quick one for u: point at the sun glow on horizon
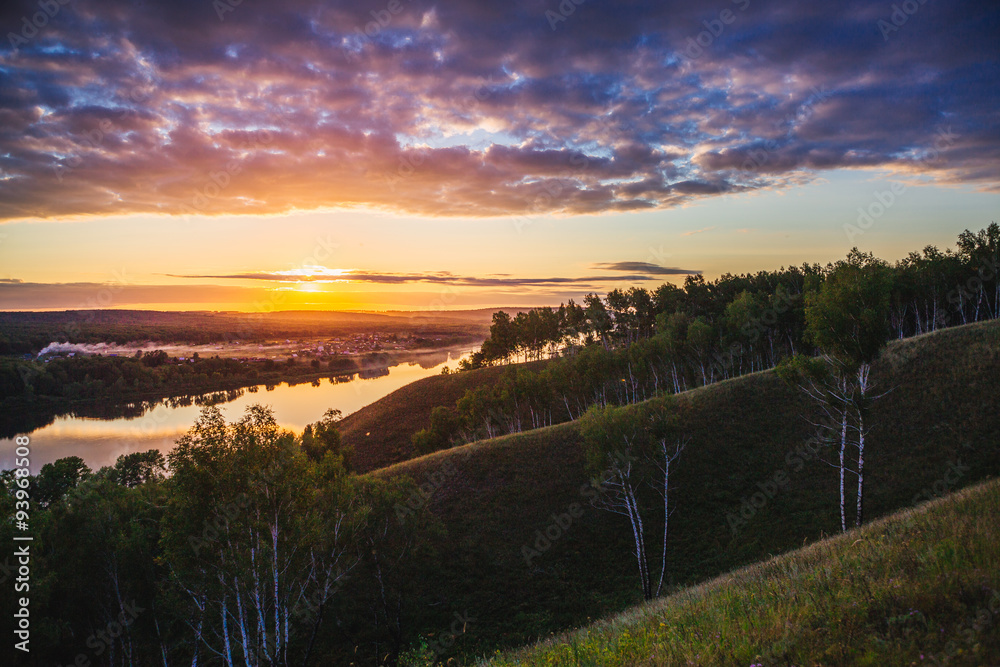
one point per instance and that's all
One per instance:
(313, 271)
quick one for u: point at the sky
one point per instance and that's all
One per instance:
(429, 154)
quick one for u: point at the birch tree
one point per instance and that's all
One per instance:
(633, 450)
(256, 538)
(831, 394)
(848, 318)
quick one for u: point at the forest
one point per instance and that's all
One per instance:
(635, 344)
(154, 373)
(256, 541)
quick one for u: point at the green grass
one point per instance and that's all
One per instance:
(497, 493)
(919, 587)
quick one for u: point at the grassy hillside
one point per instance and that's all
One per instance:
(919, 587)
(381, 433)
(492, 496)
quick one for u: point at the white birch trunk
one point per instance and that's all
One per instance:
(843, 448)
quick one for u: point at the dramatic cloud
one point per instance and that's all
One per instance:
(453, 107)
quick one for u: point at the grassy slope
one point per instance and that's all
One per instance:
(497, 493)
(920, 587)
(381, 433)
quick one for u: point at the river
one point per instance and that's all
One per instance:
(99, 442)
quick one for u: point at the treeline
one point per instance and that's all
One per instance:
(259, 548)
(27, 333)
(118, 379)
(30, 332)
(635, 343)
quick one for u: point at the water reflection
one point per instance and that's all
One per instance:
(101, 433)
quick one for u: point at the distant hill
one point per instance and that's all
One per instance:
(475, 314)
(23, 332)
(493, 496)
(921, 586)
(107, 316)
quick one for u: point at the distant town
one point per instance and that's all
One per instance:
(322, 349)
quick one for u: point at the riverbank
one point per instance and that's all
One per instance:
(33, 410)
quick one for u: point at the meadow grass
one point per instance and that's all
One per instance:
(919, 587)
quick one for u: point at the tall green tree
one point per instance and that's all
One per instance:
(254, 531)
(56, 479)
(848, 318)
(324, 436)
(849, 315)
(137, 468)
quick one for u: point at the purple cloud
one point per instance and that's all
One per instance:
(478, 109)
